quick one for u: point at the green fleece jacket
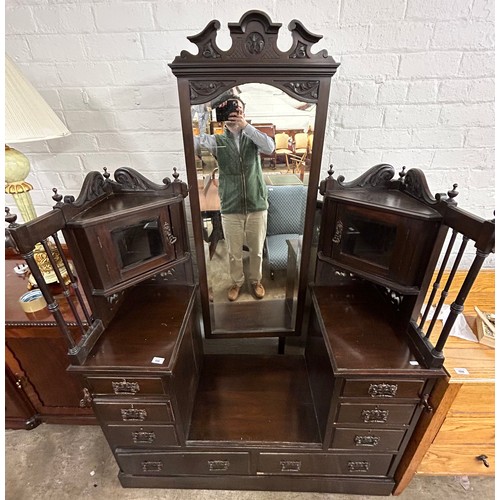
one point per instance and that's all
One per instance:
(241, 186)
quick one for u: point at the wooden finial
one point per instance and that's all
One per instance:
(106, 174)
(10, 218)
(453, 192)
(330, 171)
(175, 175)
(56, 196)
(402, 174)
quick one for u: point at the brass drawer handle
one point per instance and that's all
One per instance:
(358, 466)
(152, 466)
(133, 414)
(383, 390)
(366, 440)
(125, 387)
(290, 465)
(140, 437)
(218, 465)
(376, 415)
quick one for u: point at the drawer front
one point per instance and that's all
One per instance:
(458, 460)
(376, 440)
(136, 436)
(467, 430)
(134, 386)
(474, 398)
(122, 411)
(324, 464)
(361, 413)
(178, 464)
(382, 389)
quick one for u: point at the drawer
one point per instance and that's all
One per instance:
(457, 460)
(324, 464)
(123, 411)
(474, 398)
(134, 386)
(467, 430)
(383, 389)
(178, 464)
(377, 440)
(363, 413)
(136, 436)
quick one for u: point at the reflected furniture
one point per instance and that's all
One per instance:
(283, 147)
(285, 221)
(270, 130)
(339, 413)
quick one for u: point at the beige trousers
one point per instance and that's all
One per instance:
(249, 230)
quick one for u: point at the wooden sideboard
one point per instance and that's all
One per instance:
(462, 427)
(38, 387)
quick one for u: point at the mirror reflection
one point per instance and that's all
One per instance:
(253, 155)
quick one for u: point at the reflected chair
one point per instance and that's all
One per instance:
(270, 130)
(283, 147)
(285, 221)
(303, 148)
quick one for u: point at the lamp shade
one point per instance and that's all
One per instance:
(28, 117)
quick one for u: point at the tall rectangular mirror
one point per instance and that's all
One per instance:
(284, 97)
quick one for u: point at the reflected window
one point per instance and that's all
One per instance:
(138, 242)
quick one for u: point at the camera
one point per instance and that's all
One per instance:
(223, 111)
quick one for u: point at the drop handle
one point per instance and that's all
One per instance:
(424, 403)
(484, 459)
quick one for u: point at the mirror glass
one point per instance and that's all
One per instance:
(139, 242)
(290, 124)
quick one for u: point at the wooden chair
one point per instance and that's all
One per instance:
(283, 147)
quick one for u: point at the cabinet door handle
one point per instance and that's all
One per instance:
(484, 459)
(424, 403)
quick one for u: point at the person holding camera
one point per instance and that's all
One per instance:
(242, 192)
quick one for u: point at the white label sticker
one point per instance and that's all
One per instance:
(157, 361)
(414, 363)
(462, 371)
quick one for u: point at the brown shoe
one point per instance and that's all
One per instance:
(258, 290)
(233, 293)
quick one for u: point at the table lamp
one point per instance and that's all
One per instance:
(28, 118)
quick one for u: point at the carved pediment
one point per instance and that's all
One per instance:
(254, 45)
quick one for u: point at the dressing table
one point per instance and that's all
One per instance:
(335, 414)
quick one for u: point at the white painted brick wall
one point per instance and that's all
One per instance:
(415, 86)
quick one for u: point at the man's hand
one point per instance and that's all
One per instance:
(236, 122)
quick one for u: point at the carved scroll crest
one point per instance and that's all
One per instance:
(416, 185)
(254, 39)
(378, 176)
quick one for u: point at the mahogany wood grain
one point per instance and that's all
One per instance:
(254, 398)
(148, 326)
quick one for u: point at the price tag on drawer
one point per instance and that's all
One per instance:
(462, 371)
(158, 361)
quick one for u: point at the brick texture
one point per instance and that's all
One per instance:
(415, 86)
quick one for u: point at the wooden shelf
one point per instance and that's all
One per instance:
(254, 399)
